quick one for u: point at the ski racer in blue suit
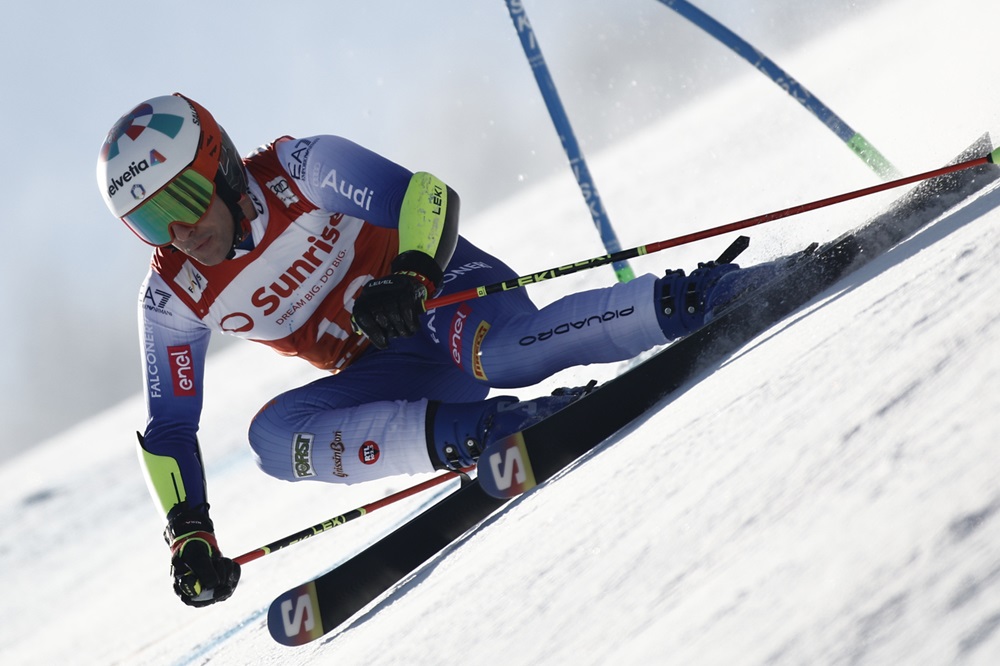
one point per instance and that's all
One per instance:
(322, 249)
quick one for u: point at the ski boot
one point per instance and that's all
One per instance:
(457, 433)
(688, 302)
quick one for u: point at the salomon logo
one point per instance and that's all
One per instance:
(298, 618)
(513, 468)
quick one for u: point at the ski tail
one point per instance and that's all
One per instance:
(294, 618)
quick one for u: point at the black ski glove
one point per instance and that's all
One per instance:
(201, 574)
(390, 307)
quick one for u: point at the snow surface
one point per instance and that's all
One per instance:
(830, 495)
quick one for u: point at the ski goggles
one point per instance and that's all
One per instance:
(185, 199)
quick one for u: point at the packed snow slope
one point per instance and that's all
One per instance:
(830, 495)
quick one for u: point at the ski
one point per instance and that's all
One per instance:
(309, 611)
(517, 463)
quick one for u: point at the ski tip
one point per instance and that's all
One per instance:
(505, 469)
(293, 618)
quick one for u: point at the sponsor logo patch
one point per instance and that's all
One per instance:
(455, 332)
(297, 167)
(269, 298)
(369, 453)
(459, 271)
(302, 465)
(281, 189)
(577, 324)
(236, 322)
(477, 343)
(191, 280)
(157, 300)
(152, 369)
(337, 446)
(182, 370)
(360, 196)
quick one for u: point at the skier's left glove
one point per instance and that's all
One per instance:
(390, 307)
(202, 576)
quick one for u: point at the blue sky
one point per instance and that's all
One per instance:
(440, 86)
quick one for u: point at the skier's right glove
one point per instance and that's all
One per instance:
(201, 574)
(390, 307)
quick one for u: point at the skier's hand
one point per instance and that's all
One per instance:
(390, 307)
(202, 576)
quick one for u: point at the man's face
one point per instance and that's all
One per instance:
(209, 241)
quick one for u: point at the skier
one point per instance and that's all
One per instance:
(322, 249)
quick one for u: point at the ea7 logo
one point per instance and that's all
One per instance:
(298, 617)
(513, 468)
(159, 301)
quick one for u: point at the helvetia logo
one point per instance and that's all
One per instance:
(134, 169)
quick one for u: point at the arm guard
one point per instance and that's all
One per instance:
(164, 479)
(428, 219)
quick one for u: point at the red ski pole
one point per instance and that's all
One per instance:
(638, 251)
(329, 524)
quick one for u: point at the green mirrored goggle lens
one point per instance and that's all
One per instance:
(185, 199)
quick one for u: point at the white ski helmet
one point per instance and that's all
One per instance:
(162, 162)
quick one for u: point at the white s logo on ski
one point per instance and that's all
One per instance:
(294, 618)
(508, 469)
